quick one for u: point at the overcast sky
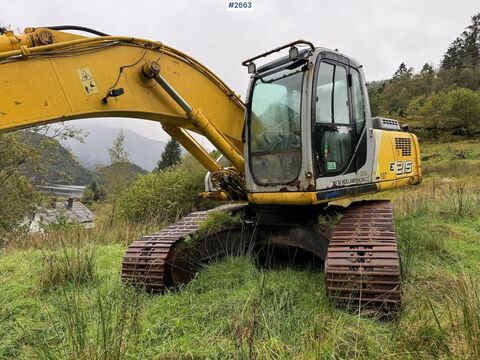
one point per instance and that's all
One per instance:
(380, 34)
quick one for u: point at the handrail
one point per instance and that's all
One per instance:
(293, 43)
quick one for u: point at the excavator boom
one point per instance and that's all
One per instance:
(71, 77)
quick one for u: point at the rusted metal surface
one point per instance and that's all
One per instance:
(362, 268)
(148, 262)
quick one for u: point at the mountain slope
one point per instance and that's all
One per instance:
(56, 164)
(94, 151)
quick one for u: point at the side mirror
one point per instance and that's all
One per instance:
(251, 68)
(293, 53)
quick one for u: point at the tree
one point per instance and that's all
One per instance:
(471, 45)
(463, 108)
(172, 155)
(94, 192)
(18, 157)
(453, 56)
(457, 110)
(402, 72)
(117, 152)
(465, 50)
(427, 70)
(116, 179)
(19, 197)
(434, 109)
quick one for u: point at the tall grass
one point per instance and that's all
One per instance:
(464, 201)
(453, 169)
(407, 240)
(234, 309)
(67, 261)
(104, 232)
(438, 197)
(464, 312)
(100, 325)
(441, 318)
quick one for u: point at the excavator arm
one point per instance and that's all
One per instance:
(49, 76)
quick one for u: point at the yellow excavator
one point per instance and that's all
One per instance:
(304, 138)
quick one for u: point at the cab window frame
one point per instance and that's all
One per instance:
(249, 104)
(358, 131)
(332, 125)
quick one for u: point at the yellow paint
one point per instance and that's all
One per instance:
(215, 195)
(208, 128)
(387, 178)
(418, 160)
(292, 198)
(193, 147)
(389, 185)
(52, 91)
(33, 37)
(283, 198)
(385, 155)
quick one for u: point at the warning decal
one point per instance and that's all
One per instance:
(88, 83)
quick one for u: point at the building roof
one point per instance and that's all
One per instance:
(72, 209)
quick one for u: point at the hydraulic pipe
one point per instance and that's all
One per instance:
(199, 120)
(173, 93)
(207, 128)
(10, 41)
(193, 147)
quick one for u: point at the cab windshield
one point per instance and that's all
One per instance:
(275, 142)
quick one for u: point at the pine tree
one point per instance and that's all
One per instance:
(172, 155)
(427, 69)
(452, 59)
(402, 71)
(471, 49)
(117, 152)
(465, 50)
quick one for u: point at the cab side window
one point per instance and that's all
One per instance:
(324, 111)
(358, 108)
(333, 131)
(332, 95)
(341, 113)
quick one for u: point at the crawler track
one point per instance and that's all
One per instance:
(151, 262)
(362, 267)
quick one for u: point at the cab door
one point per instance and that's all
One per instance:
(338, 125)
(358, 112)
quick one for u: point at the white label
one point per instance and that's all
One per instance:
(331, 165)
(88, 83)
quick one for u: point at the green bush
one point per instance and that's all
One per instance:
(165, 195)
(19, 200)
(216, 221)
(18, 196)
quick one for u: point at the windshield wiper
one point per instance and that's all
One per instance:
(279, 78)
(290, 66)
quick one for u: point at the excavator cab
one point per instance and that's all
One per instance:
(310, 136)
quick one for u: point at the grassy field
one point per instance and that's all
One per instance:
(61, 298)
